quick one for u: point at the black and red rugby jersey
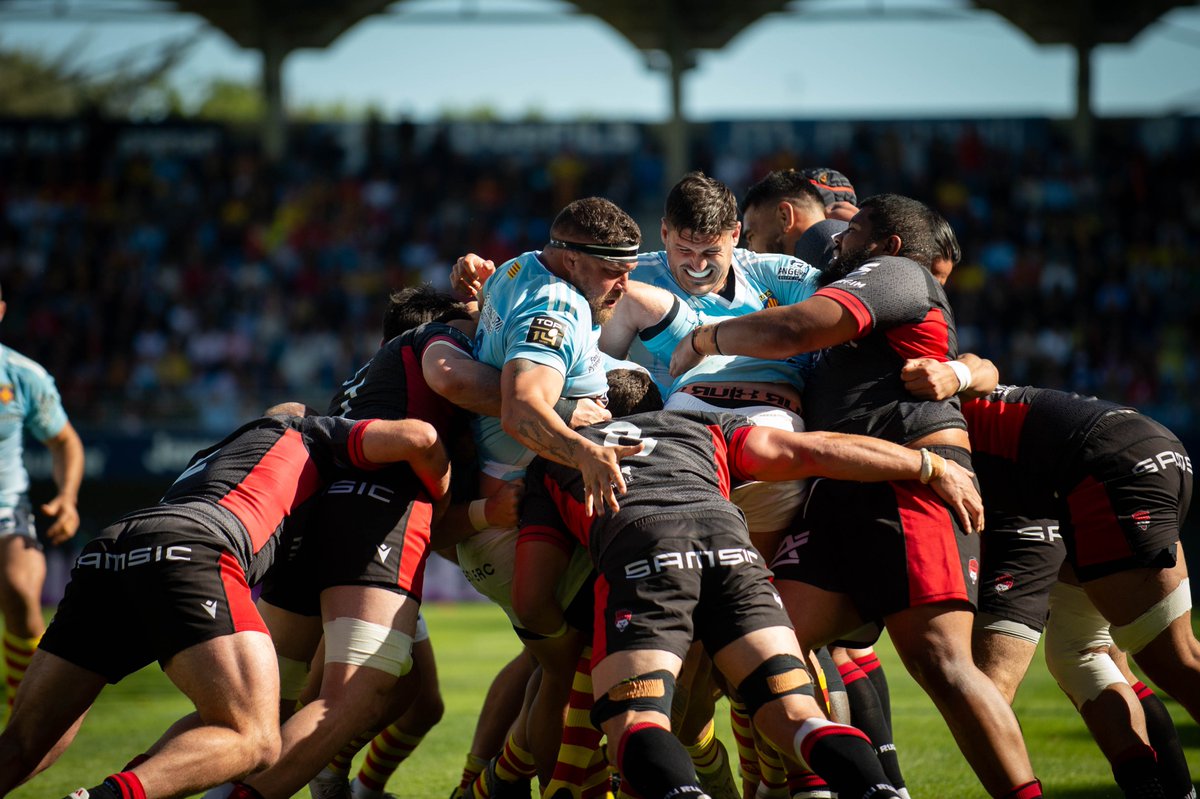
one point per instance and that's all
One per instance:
(855, 387)
(687, 466)
(239, 492)
(1023, 442)
(392, 386)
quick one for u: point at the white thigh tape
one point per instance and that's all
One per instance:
(1135, 636)
(362, 643)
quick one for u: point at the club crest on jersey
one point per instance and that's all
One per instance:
(6, 393)
(973, 570)
(621, 620)
(512, 270)
(1142, 519)
(1003, 583)
(548, 332)
(767, 298)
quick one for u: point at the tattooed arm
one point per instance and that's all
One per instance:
(528, 393)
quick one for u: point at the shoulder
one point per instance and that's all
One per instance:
(19, 365)
(773, 265)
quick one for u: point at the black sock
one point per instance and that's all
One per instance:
(1136, 773)
(874, 670)
(654, 763)
(105, 790)
(1172, 766)
(844, 757)
(867, 714)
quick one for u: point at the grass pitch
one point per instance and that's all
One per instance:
(472, 642)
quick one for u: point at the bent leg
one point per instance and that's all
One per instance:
(234, 684)
(934, 642)
(49, 708)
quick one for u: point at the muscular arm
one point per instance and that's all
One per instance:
(814, 324)
(414, 441)
(66, 456)
(929, 379)
(642, 307)
(769, 454)
(461, 379)
(529, 391)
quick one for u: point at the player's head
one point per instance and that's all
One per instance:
(886, 224)
(700, 228)
(778, 209)
(948, 253)
(832, 185)
(413, 307)
(632, 391)
(598, 243)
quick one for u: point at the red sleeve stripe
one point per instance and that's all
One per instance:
(737, 458)
(284, 477)
(929, 338)
(358, 457)
(856, 307)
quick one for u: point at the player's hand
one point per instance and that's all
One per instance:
(841, 210)
(503, 507)
(684, 357)
(602, 478)
(957, 487)
(588, 411)
(929, 379)
(66, 520)
(468, 273)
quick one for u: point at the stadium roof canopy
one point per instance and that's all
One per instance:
(668, 31)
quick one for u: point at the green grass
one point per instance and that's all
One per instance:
(472, 642)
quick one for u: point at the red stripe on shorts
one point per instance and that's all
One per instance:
(242, 611)
(411, 576)
(934, 567)
(600, 623)
(1098, 534)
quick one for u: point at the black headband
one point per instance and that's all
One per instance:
(623, 253)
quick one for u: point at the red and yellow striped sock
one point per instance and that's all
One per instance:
(743, 736)
(342, 761)
(513, 764)
(471, 769)
(706, 755)
(17, 653)
(577, 766)
(774, 774)
(388, 750)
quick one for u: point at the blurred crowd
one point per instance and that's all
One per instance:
(192, 290)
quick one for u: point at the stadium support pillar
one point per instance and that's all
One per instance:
(679, 61)
(1083, 126)
(274, 134)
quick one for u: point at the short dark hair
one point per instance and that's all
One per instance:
(783, 184)
(595, 220)
(897, 215)
(700, 204)
(412, 307)
(944, 240)
(632, 391)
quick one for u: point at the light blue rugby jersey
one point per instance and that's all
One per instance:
(762, 280)
(527, 312)
(28, 401)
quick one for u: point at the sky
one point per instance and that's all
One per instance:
(824, 58)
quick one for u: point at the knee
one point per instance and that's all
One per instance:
(430, 708)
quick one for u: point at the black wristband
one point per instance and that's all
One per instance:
(565, 408)
(716, 346)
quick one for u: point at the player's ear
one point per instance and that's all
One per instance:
(892, 244)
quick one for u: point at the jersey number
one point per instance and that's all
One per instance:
(613, 433)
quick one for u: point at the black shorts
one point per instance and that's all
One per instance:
(668, 579)
(1021, 559)
(147, 596)
(888, 546)
(363, 530)
(1130, 497)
